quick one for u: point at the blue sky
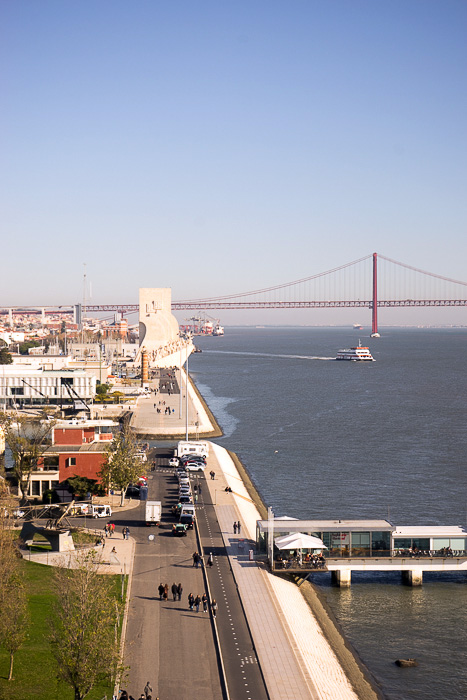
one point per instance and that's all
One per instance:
(219, 147)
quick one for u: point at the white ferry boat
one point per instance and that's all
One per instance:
(355, 354)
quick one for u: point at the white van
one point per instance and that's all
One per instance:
(188, 509)
(101, 511)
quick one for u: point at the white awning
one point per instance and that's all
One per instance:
(299, 541)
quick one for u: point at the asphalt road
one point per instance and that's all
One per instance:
(166, 643)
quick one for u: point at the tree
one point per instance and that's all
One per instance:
(122, 465)
(83, 630)
(5, 357)
(27, 441)
(81, 486)
(13, 602)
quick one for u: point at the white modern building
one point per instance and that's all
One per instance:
(28, 386)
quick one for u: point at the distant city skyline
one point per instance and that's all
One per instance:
(217, 149)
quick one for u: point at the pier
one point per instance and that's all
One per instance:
(344, 546)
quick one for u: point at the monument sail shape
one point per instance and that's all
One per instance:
(159, 333)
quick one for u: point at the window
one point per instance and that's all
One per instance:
(360, 544)
(66, 380)
(71, 462)
(17, 390)
(380, 543)
(51, 463)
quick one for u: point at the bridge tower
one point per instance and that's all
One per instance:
(374, 307)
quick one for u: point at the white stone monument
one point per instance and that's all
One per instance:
(158, 329)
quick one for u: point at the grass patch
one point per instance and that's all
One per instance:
(35, 669)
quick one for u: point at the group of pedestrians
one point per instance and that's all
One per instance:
(237, 528)
(146, 695)
(126, 532)
(176, 589)
(194, 602)
(109, 529)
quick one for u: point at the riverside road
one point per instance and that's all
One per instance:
(173, 648)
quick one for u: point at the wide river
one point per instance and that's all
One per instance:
(386, 439)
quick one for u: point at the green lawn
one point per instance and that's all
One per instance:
(34, 667)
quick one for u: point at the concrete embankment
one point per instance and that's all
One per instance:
(318, 639)
(327, 658)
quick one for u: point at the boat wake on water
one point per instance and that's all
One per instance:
(267, 354)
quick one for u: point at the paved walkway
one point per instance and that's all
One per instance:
(147, 421)
(295, 657)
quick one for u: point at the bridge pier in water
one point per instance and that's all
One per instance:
(342, 578)
(412, 577)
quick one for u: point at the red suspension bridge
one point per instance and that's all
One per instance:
(372, 282)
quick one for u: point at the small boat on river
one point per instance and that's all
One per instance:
(357, 354)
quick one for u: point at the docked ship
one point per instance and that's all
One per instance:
(360, 354)
(218, 330)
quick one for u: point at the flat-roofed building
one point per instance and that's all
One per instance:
(28, 386)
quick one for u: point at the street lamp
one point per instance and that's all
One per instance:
(186, 396)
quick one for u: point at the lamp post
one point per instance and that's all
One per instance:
(180, 387)
(186, 395)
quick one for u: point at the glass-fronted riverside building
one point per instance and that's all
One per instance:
(367, 538)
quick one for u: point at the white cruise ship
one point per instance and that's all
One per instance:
(355, 354)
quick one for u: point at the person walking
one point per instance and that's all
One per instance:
(179, 591)
(161, 590)
(127, 532)
(200, 489)
(239, 527)
(214, 607)
(204, 600)
(147, 690)
(197, 602)
(194, 556)
(235, 527)
(165, 594)
(210, 560)
(191, 600)
(174, 590)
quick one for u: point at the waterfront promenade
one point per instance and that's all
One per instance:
(295, 658)
(164, 415)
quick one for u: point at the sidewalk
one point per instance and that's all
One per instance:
(148, 422)
(295, 657)
(120, 562)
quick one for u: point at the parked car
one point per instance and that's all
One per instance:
(192, 458)
(195, 467)
(185, 499)
(179, 529)
(132, 491)
(188, 520)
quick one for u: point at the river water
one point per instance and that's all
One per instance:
(386, 439)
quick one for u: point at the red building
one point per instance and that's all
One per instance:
(79, 448)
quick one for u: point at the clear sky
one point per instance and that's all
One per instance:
(218, 147)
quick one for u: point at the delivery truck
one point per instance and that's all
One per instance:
(152, 512)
